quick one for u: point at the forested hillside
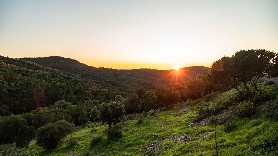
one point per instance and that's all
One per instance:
(123, 79)
(26, 86)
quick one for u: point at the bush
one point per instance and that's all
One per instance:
(96, 140)
(273, 111)
(114, 133)
(49, 135)
(245, 109)
(29, 117)
(72, 142)
(229, 125)
(12, 150)
(79, 115)
(38, 117)
(270, 145)
(25, 135)
(140, 119)
(4, 110)
(152, 112)
(93, 114)
(15, 129)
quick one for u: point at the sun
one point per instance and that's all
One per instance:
(176, 67)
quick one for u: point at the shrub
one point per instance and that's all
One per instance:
(4, 110)
(72, 142)
(229, 125)
(12, 150)
(273, 111)
(152, 112)
(245, 109)
(114, 133)
(79, 115)
(93, 114)
(270, 145)
(96, 140)
(39, 117)
(49, 135)
(29, 117)
(140, 120)
(144, 114)
(24, 136)
(15, 129)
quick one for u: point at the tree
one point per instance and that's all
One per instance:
(92, 109)
(167, 96)
(195, 88)
(249, 66)
(274, 69)
(112, 112)
(221, 74)
(79, 115)
(149, 101)
(244, 67)
(133, 104)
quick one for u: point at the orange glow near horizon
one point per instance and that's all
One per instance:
(176, 67)
(177, 74)
(139, 64)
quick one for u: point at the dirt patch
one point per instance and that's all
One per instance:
(183, 137)
(184, 110)
(153, 147)
(203, 122)
(204, 134)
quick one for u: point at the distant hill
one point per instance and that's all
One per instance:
(124, 79)
(193, 71)
(58, 62)
(25, 86)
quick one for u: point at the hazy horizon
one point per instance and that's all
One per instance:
(157, 34)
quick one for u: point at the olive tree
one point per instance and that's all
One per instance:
(244, 67)
(112, 112)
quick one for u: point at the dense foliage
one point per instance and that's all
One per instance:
(49, 135)
(15, 129)
(112, 112)
(244, 67)
(25, 86)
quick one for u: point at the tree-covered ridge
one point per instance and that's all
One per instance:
(61, 63)
(123, 79)
(25, 86)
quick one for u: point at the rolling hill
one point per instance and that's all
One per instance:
(124, 79)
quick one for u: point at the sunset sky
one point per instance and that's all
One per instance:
(128, 34)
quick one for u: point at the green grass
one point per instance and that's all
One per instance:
(162, 130)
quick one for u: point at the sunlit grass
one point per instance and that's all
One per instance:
(162, 129)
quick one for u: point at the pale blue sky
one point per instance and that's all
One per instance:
(137, 33)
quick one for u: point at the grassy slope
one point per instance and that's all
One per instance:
(157, 130)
